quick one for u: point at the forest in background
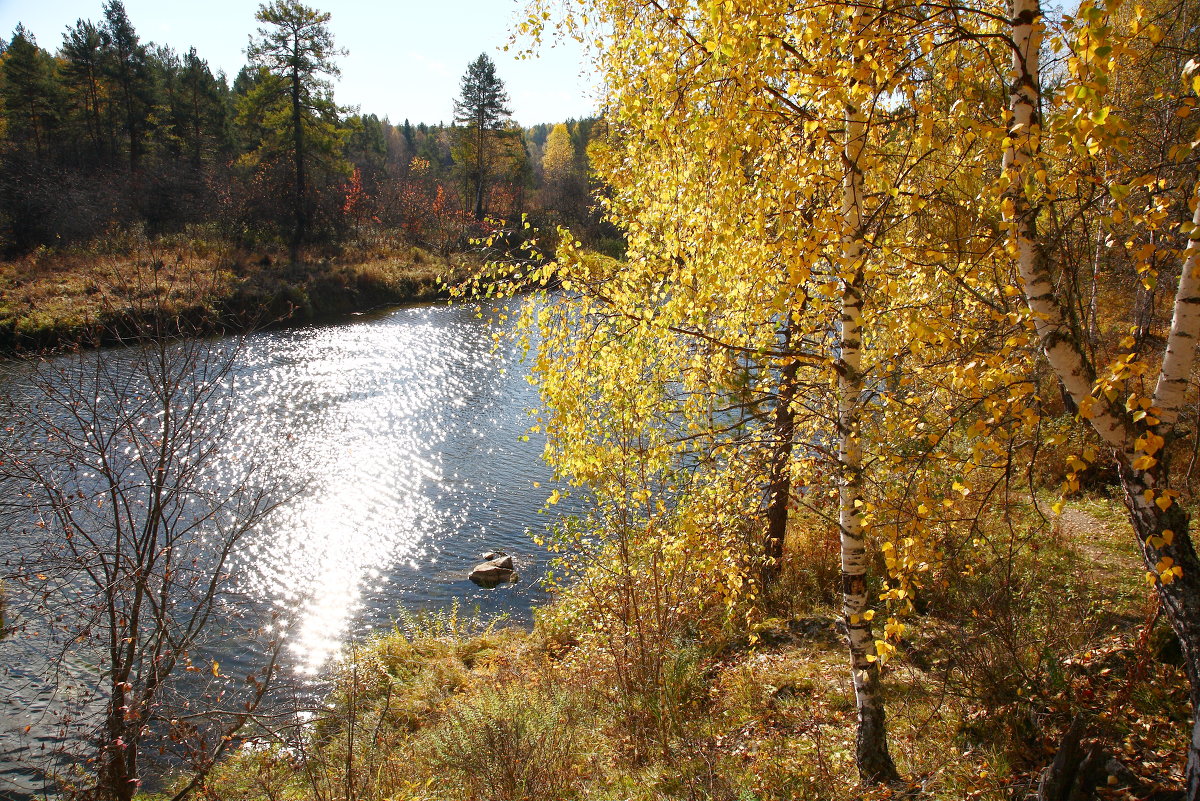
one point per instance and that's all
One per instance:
(103, 133)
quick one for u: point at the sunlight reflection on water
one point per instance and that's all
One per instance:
(400, 439)
(396, 444)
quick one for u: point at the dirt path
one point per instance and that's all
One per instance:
(1100, 535)
(1091, 536)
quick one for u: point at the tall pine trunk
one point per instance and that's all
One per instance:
(480, 165)
(301, 187)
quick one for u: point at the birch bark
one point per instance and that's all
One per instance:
(1063, 351)
(1161, 526)
(1180, 356)
(871, 749)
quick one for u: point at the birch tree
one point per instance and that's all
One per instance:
(756, 219)
(874, 762)
(1133, 404)
(737, 119)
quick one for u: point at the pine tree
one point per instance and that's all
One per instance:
(202, 110)
(481, 110)
(127, 66)
(294, 99)
(27, 91)
(82, 77)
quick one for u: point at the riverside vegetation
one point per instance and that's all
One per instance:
(908, 309)
(685, 701)
(104, 292)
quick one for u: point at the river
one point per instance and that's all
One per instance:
(401, 439)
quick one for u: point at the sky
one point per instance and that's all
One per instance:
(405, 60)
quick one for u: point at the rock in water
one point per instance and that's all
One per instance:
(503, 561)
(489, 574)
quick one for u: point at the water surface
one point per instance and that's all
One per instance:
(399, 441)
(405, 437)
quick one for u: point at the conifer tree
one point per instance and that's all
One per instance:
(201, 111)
(27, 92)
(81, 57)
(481, 110)
(293, 100)
(127, 66)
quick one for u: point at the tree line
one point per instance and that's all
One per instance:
(111, 132)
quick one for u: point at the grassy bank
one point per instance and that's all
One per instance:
(52, 300)
(593, 706)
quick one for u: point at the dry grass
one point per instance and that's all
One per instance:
(977, 700)
(50, 300)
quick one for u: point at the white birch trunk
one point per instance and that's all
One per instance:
(871, 751)
(1061, 348)
(1180, 594)
(1171, 388)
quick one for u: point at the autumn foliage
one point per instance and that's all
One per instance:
(880, 248)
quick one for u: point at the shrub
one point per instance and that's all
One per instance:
(811, 574)
(1008, 622)
(505, 745)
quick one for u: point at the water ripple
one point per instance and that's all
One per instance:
(400, 439)
(397, 445)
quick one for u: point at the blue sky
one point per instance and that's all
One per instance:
(406, 56)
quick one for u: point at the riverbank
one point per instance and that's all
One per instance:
(405, 430)
(591, 706)
(53, 301)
